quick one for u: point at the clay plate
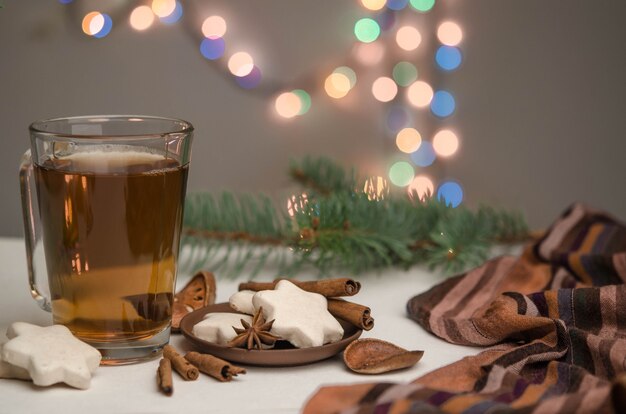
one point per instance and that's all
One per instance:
(284, 354)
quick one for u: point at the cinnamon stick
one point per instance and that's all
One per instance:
(357, 315)
(213, 366)
(180, 364)
(164, 377)
(329, 287)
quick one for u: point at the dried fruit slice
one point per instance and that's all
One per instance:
(375, 356)
(197, 293)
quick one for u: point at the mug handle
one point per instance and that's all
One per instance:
(31, 233)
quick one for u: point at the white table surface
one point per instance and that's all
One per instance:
(132, 388)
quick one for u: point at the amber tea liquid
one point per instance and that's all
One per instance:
(111, 238)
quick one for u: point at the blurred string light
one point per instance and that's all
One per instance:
(404, 73)
(240, 64)
(214, 27)
(442, 104)
(420, 94)
(376, 41)
(445, 143)
(373, 4)
(449, 33)
(97, 24)
(163, 8)
(422, 187)
(422, 5)
(401, 173)
(408, 38)
(366, 30)
(369, 53)
(448, 57)
(451, 193)
(425, 155)
(408, 140)
(141, 18)
(174, 16)
(397, 5)
(384, 89)
(291, 104)
(376, 188)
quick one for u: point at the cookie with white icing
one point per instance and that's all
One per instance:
(218, 327)
(11, 371)
(242, 301)
(300, 317)
(50, 354)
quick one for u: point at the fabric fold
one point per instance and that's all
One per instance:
(553, 319)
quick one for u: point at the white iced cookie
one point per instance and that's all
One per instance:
(50, 354)
(10, 371)
(218, 327)
(242, 301)
(300, 317)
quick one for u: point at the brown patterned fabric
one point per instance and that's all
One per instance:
(554, 320)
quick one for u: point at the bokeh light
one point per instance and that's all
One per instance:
(87, 22)
(174, 16)
(106, 27)
(305, 100)
(376, 188)
(213, 49)
(349, 73)
(408, 140)
(401, 173)
(369, 53)
(97, 24)
(448, 57)
(420, 94)
(337, 85)
(214, 26)
(373, 4)
(404, 73)
(384, 89)
(288, 104)
(421, 187)
(449, 33)
(445, 143)
(251, 80)
(425, 155)
(240, 64)
(450, 193)
(296, 204)
(422, 5)
(398, 117)
(163, 8)
(65, 1)
(408, 38)
(366, 30)
(141, 18)
(397, 4)
(442, 104)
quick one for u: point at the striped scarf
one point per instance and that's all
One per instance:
(554, 321)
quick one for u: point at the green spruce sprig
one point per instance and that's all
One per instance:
(337, 227)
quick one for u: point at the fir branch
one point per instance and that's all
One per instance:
(336, 227)
(320, 176)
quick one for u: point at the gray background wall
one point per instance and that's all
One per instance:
(541, 95)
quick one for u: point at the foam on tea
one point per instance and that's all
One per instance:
(110, 228)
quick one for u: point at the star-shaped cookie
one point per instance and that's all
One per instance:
(300, 317)
(10, 371)
(50, 354)
(218, 327)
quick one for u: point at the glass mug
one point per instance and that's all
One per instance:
(106, 207)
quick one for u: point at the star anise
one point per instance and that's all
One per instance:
(254, 335)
